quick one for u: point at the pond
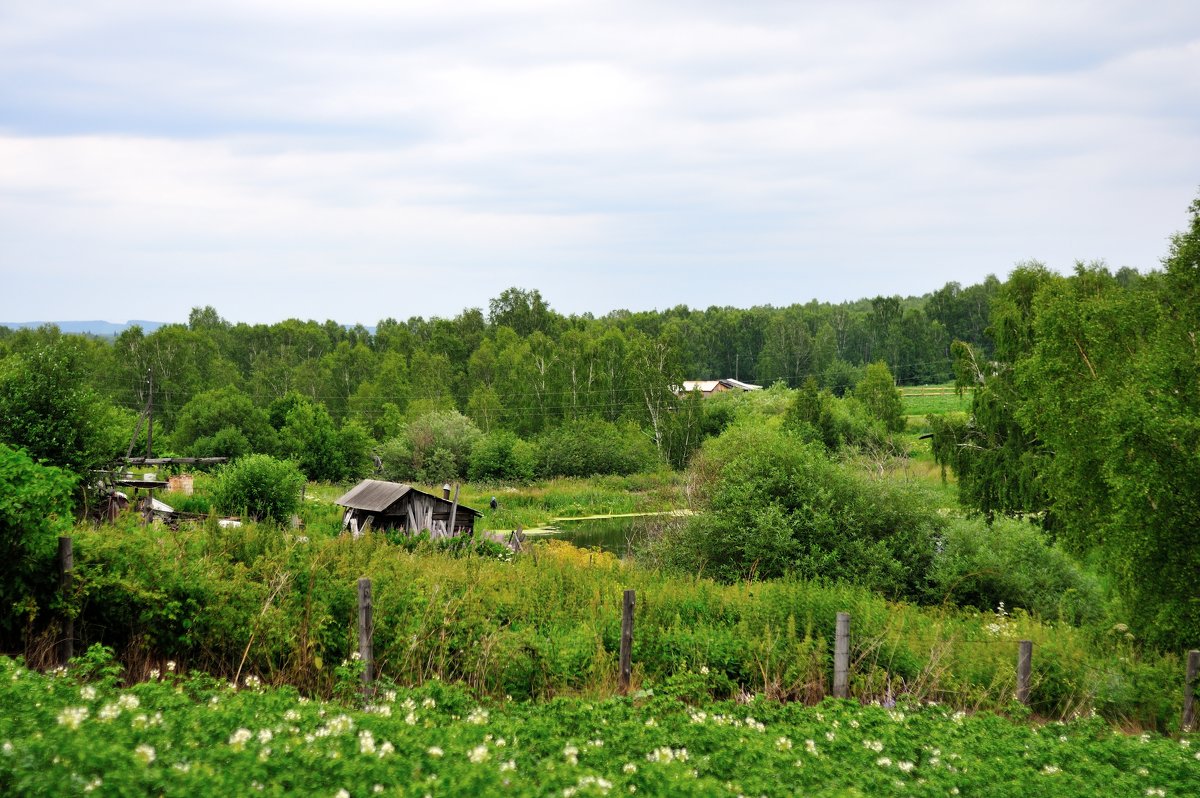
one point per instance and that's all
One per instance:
(616, 535)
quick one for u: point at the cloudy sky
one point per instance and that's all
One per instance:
(364, 159)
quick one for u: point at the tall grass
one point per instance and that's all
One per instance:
(268, 602)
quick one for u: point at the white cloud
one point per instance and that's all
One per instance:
(748, 153)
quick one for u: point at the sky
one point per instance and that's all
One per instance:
(367, 159)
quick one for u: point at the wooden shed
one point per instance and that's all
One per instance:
(393, 505)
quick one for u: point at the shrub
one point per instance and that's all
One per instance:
(260, 486)
(35, 508)
(501, 456)
(1010, 561)
(775, 504)
(592, 446)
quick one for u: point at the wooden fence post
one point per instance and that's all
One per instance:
(454, 514)
(627, 639)
(366, 627)
(66, 567)
(1024, 668)
(841, 657)
(1189, 690)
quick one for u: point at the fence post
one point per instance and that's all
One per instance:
(1024, 667)
(627, 639)
(66, 567)
(841, 657)
(1189, 690)
(366, 627)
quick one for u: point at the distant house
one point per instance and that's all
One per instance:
(392, 505)
(710, 387)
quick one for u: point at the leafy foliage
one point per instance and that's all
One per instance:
(776, 505)
(35, 508)
(1012, 563)
(47, 408)
(223, 422)
(260, 486)
(182, 736)
(877, 391)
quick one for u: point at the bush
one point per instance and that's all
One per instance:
(35, 508)
(501, 457)
(1012, 562)
(260, 486)
(591, 446)
(775, 504)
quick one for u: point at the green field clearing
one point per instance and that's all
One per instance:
(934, 400)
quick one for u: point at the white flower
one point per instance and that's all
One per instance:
(783, 744)
(240, 737)
(478, 716)
(571, 754)
(128, 701)
(87, 692)
(411, 719)
(1050, 770)
(1143, 772)
(829, 736)
(811, 747)
(874, 745)
(71, 717)
(906, 766)
(8, 747)
(108, 712)
(703, 670)
(342, 793)
(291, 716)
(389, 696)
(93, 784)
(629, 768)
(170, 666)
(154, 674)
(253, 682)
(478, 754)
(264, 736)
(1156, 791)
(378, 788)
(435, 751)
(507, 766)
(386, 749)
(428, 703)
(366, 742)
(883, 762)
(145, 753)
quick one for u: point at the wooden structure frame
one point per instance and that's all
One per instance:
(393, 505)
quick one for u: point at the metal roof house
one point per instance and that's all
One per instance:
(711, 387)
(392, 505)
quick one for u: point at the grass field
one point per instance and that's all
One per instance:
(923, 400)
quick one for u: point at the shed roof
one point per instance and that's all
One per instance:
(373, 494)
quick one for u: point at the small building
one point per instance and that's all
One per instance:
(393, 505)
(711, 387)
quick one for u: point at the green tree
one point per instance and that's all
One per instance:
(48, 409)
(309, 438)
(878, 393)
(223, 422)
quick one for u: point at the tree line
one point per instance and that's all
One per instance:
(330, 394)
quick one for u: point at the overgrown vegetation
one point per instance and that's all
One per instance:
(185, 735)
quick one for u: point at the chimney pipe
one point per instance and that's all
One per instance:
(446, 491)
